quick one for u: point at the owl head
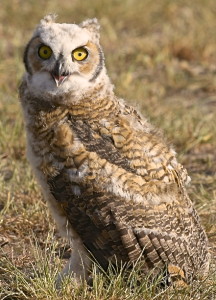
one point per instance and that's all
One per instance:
(63, 58)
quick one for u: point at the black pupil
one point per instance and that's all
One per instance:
(80, 54)
(45, 52)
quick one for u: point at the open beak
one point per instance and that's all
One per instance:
(58, 79)
(58, 74)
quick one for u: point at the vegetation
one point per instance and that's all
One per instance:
(161, 55)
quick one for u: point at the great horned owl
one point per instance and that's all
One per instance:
(112, 183)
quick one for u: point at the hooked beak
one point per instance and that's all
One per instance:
(58, 74)
(58, 79)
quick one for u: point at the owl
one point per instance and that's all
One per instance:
(112, 183)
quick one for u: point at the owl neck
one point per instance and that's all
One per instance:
(97, 102)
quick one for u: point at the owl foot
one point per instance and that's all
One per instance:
(77, 268)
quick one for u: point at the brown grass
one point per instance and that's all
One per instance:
(161, 55)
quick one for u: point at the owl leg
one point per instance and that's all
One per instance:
(78, 265)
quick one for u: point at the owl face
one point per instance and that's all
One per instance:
(63, 58)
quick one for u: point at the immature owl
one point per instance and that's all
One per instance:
(112, 183)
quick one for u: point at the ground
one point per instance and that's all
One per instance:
(161, 56)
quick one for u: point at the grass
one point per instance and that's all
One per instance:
(161, 57)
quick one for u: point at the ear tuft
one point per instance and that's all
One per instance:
(92, 25)
(48, 19)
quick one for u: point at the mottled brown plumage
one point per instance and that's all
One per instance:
(112, 183)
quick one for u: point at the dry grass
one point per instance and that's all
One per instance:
(161, 56)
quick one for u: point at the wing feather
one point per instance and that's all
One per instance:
(158, 224)
(113, 233)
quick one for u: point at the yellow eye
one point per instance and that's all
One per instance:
(80, 54)
(45, 52)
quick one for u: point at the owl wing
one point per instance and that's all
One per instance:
(158, 223)
(131, 142)
(115, 231)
